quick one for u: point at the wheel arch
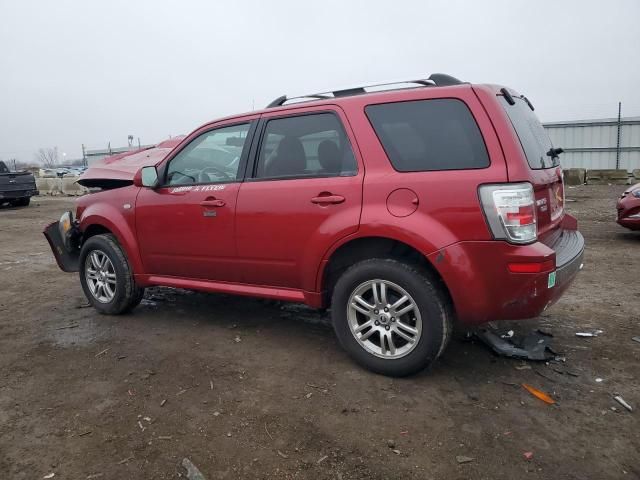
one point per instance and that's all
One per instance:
(357, 249)
(96, 224)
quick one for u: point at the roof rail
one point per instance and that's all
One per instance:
(435, 80)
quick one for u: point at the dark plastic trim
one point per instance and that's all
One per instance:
(507, 96)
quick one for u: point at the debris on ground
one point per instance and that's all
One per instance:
(192, 471)
(282, 454)
(163, 402)
(102, 352)
(528, 455)
(49, 475)
(76, 325)
(396, 451)
(322, 459)
(463, 459)
(539, 394)
(636, 339)
(595, 333)
(599, 380)
(391, 444)
(308, 395)
(237, 339)
(621, 401)
(534, 346)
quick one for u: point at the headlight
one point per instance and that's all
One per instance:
(636, 193)
(65, 223)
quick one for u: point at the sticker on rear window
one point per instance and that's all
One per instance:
(552, 280)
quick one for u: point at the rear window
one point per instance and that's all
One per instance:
(424, 135)
(534, 140)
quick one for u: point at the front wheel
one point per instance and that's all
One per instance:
(106, 276)
(390, 317)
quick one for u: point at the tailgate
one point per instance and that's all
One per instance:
(16, 181)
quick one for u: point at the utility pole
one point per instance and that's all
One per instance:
(618, 142)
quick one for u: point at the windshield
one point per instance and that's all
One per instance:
(534, 140)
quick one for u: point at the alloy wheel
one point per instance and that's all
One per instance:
(384, 319)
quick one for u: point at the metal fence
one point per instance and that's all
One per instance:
(598, 144)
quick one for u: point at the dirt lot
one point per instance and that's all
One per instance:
(253, 389)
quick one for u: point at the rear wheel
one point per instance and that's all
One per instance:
(391, 317)
(106, 276)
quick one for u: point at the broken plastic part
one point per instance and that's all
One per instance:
(532, 347)
(539, 394)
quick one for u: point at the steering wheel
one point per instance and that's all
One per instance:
(204, 177)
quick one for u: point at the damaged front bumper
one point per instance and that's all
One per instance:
(64, 238)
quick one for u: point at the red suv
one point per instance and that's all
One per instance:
(400, 206)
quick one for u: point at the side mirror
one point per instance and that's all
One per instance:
(146, 177)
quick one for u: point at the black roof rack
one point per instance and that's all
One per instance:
(435, 80)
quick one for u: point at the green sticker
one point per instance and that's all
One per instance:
(552, 280)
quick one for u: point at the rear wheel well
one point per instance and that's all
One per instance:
(376, 247)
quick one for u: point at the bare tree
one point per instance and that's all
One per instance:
(48, 156)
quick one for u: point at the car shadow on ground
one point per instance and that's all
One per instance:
(464, 358)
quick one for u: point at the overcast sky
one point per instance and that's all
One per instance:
(74, 72)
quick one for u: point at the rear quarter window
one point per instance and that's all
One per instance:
(427, 135)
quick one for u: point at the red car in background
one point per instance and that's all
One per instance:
(629, 208)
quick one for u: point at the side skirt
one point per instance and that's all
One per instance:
(312, 299)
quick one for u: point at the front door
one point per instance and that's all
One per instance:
(185, 227)
(305, 192)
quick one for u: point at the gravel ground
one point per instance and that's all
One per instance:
(255, 389)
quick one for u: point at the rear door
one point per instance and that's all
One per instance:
(304, 194)
(186, 226)
(545, 171)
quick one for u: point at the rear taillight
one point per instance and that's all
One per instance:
(510, 211)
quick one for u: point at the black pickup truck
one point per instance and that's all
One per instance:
(16, 188)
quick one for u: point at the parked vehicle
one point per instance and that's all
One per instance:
(629, 208)
(399, 209)
(16, 188)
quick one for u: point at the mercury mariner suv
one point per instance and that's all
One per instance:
(400, 207)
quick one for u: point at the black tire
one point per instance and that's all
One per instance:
(127, 294)
(431, 302)
(21, 202)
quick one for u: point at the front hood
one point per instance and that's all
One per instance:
(123, 166)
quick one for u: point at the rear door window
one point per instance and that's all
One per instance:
(308, 145)
(534, 140)
(427, 135)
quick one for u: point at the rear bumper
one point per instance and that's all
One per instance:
(16, 194)
(483, 289)
(67, 258)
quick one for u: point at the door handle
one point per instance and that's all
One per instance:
(213, 203)
(324, 199)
